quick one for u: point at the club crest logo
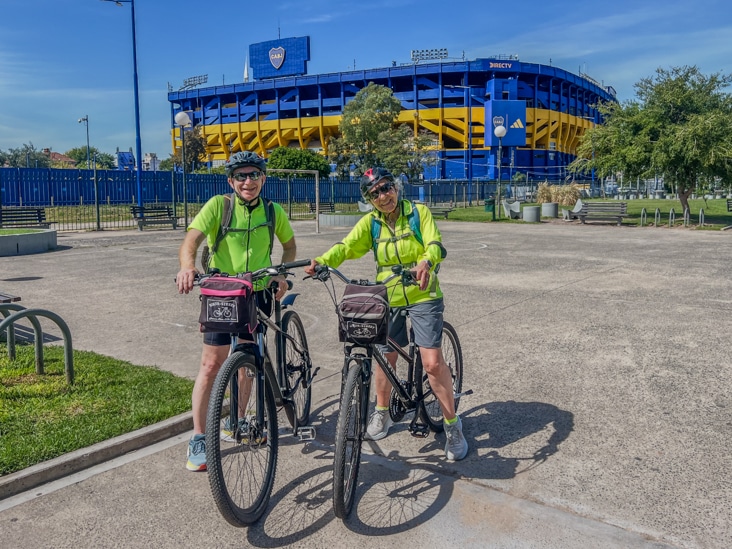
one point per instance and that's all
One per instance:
(277, 57)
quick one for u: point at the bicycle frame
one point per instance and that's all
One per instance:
(266, 370)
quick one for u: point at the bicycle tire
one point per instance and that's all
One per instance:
(349, 436)
(298, 368)
(241, 463)
(451, 350)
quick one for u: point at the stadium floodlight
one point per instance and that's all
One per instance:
(194, 81)
(428, 55)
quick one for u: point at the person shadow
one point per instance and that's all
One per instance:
(400, 488)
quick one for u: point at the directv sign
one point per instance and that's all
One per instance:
(511, 115)
(277, 58)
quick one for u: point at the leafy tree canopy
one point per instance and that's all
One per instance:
(679, 127)
(104, 161)
(195, 151)
(298, 159)
(370, 135)
(25, 156)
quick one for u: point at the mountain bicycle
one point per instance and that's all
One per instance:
(410, 394)
(241, 423)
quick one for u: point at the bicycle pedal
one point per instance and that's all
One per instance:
(464, 393)
(305, 434)
(419, 431)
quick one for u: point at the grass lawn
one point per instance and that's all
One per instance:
(716, 215)
(41, 417)
(17, 231)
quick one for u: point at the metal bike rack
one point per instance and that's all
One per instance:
(644, 217)
(32, 315)
(671, 218)
(657, 218)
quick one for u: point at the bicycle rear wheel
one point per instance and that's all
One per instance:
(453, 354)
(241, 452)
(298, 368)
(349, 435)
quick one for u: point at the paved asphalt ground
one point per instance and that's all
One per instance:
(599, 357)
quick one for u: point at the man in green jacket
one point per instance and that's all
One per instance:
(246, 247)
(420, 249)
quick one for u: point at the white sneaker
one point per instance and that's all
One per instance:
(456, 447)
(379, 424)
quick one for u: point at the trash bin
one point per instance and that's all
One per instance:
(490, 206)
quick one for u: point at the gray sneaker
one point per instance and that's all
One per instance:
(379, 424)
(456, 447)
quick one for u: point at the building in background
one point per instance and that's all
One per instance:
(545, 109)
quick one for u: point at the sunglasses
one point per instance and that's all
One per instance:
(385, 188)
(254, 176)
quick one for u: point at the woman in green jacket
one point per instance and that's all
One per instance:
(401, 241)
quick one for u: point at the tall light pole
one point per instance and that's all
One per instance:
(182, 120)
(499, 131)
(138, 142)
(85, 120)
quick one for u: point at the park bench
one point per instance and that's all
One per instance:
(729, 204)
(23, 217)
(512, 210)
(324, 207)
(603, 211)
(441, 210)
(571, 215)
(8, 298)
(153, 215)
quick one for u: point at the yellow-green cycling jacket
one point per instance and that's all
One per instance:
(398, 247)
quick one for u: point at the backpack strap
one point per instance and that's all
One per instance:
(225, 227)
(414, 226)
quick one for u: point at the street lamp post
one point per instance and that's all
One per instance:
(182, 120)
(85, 120)
(138, 142)
(499, 131)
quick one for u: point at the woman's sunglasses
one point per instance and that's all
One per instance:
(385, 188)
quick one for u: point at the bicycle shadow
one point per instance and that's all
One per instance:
(400, 488)
(505, 439)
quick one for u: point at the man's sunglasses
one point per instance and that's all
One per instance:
(385, 188)
(254, 176)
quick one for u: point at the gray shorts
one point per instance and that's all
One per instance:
(426, 319)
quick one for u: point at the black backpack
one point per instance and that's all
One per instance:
(269, 213)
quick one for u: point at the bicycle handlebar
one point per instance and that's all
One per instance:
(273, 270)
(323, 272)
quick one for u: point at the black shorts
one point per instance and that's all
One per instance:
(264, 304)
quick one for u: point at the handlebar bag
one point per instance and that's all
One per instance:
(228, 304)
(363, 315)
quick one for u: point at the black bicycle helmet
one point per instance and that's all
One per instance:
(245, 158)
(371, 177)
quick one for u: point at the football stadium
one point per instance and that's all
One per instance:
(544, 109)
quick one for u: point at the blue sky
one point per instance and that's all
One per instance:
(63, 59)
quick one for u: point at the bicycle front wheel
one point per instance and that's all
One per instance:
(298, 368)
(349, 435)
(241, 451)
(454, 358)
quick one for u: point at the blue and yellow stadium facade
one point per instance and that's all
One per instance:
(545, 110)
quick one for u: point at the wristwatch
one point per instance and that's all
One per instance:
(429, 264)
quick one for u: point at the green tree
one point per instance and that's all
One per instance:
(25, 156)
(105, 161)
(679, 127)
(167, 164)
(370, 135)
(195, 150)
(298, 159)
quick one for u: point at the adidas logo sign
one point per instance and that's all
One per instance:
(517, 124)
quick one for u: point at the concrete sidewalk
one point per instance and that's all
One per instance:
(600, 367)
